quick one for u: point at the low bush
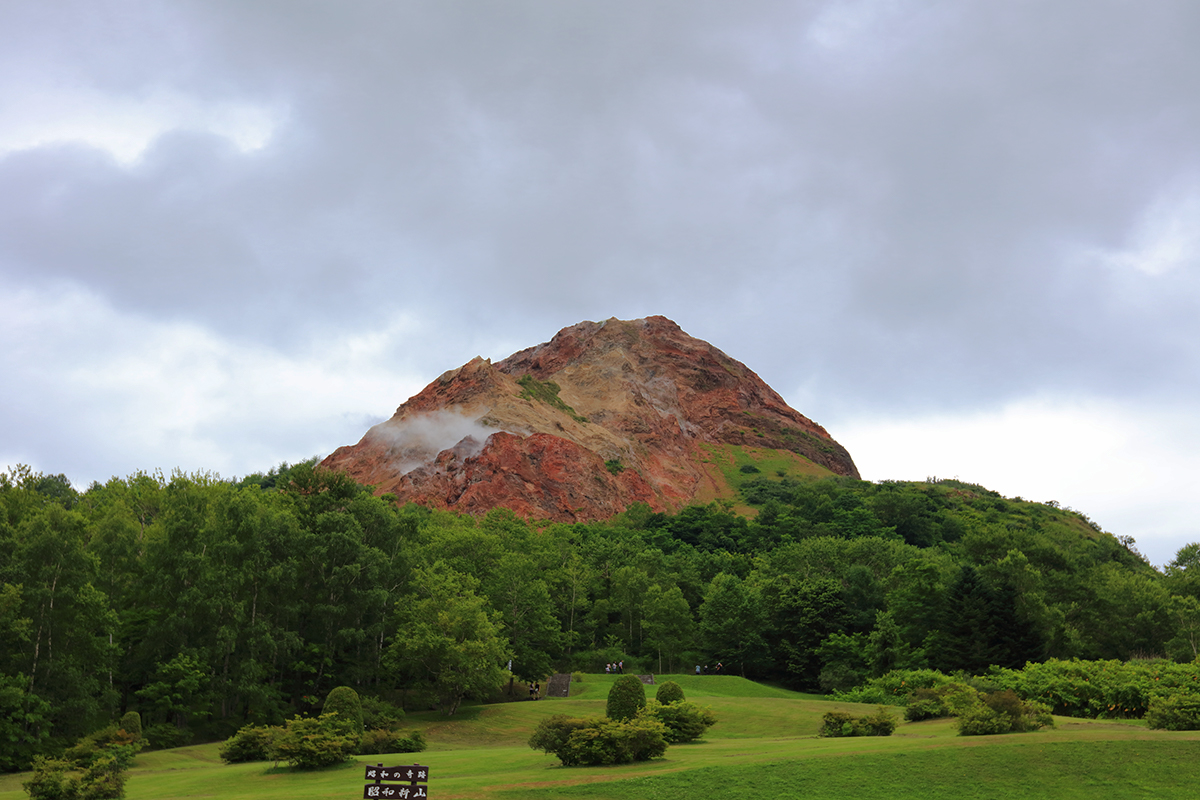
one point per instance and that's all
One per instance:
(51, 780)
(599, 741)
(614, 742)
(250, 743)
(893, 688)
(1002, 712)
(382, 740)
(102, 779)
(836, 723)
(1102, 689)
(1175, 712)
(551, 734)
(684, 721)
(626, 698)
(1037, 716)
(308, 743)
(842, 723)
(881, 723)
(925, 704)
(98, 744)
(948, 700)
(669, 692)
(576, 677)
(981, 720)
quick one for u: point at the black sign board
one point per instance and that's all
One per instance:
(414, 775)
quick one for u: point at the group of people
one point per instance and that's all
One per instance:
(704, 670)
(535, 691)
(616, 667)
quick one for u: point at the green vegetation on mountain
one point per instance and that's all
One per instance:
(206, 605)
(546, 392)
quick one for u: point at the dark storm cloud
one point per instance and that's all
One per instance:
(881, 207)
(886, 179)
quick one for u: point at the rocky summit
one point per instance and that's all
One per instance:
(604, 415)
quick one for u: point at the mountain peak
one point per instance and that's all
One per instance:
(603, 415)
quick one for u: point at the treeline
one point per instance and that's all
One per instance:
(205, 604)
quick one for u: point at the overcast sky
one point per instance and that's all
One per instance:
(963, 236)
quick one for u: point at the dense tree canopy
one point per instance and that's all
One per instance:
(206, 604)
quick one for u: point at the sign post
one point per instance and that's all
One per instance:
(388, 780)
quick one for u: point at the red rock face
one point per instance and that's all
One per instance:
(641, 396)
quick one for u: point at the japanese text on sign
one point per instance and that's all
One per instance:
(414, 775)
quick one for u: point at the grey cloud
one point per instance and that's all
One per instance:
(889, 204)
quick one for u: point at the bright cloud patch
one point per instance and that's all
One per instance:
(126, 125)
(165, 395)
(1167, 237)
(1129, 468)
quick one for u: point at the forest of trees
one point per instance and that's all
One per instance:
(205, 604)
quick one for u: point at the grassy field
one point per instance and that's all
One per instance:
(763, 747)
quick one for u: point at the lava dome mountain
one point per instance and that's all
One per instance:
(603, 415)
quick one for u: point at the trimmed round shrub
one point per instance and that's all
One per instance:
(131, 723)
(345, 702)
(250, 743)
(669, 692)
(626, 698)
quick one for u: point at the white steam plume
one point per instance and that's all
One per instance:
(417, 439)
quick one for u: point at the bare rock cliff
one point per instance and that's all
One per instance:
(603, 415)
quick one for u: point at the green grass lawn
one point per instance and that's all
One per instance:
(763, 747)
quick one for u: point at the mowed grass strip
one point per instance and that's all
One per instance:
(1113, 770)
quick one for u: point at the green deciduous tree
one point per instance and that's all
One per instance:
(448, 638)
(667, 623)
(24, 723)
(732, 620)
